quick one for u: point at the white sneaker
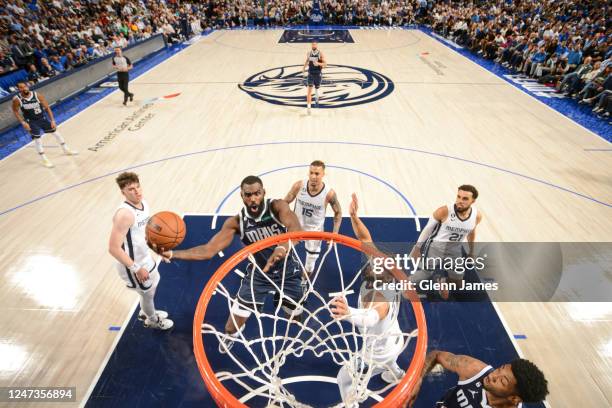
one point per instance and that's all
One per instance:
(69, 152)
(308, 110)
(159, 323)
(46, 162)
(160, 313)
(391, 377)
(225, 345)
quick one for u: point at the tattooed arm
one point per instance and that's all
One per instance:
(464, 366)
(332, 199)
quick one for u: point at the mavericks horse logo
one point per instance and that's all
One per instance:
(341, 86)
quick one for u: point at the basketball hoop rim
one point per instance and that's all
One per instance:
(226, 399)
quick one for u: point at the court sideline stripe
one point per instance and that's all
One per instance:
(145, 72)
(108, 355)
(514, 86)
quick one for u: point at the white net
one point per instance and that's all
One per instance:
(266, 357)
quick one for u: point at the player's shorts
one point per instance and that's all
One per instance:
(130, 277)
(314, 78)
(254, 287)
(39, 127)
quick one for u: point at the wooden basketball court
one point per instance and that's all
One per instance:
(446, 122)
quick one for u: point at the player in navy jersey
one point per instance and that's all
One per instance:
(315, 61)
(29, 108)
(260, 218)
(481, 385)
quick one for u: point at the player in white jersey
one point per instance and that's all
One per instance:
(376, 319)
(449, 228)
(127, 244)
(311, 199)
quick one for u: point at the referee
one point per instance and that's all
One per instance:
(123, 65)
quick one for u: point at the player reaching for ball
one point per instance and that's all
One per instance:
(127, 244)
(260, 218)
(376, 318)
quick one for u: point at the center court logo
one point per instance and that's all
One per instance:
(342, 86)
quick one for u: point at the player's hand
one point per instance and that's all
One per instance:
(354, 206)
(142, 275)
(166, 255)
(339, 307)
(278, 254)
(53, 125)
(26, 126)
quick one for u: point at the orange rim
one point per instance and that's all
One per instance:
(226, 399)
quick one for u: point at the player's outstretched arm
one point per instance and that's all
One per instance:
(306, 62)
(218, 242)
(372, 313)
(295, 188)
(291, 222)
(438, 216)
(361, 231)
(332, 199)
(464, 366)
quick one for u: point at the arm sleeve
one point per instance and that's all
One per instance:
(113, 61)
(363, 317)
(427, 231)
(127, 60)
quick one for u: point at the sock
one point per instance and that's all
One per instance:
(60, 140)
(147, 304)
(310, 261)
(39, 146)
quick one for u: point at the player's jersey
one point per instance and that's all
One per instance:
(314, 56)
(31, 108)
(447, 236)
(383, 341)
(135, 243)
(256, 229)
(469, 393)
(310, 209)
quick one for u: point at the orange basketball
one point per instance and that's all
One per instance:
(166, 230)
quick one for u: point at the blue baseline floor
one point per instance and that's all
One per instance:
(154, 369)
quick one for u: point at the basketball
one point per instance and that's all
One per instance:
(166, 230)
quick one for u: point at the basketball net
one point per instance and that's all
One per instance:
(260, 359)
